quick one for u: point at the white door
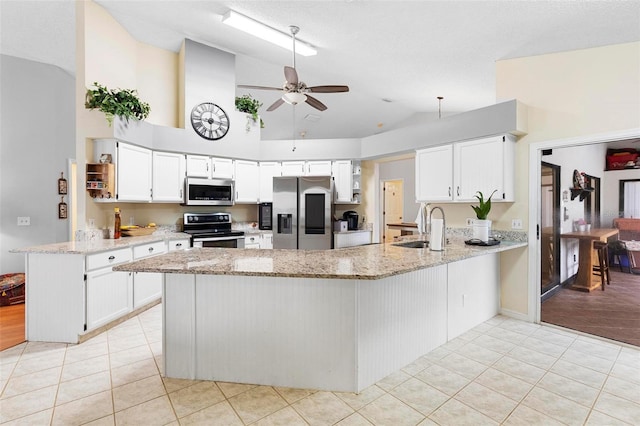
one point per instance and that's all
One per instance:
(318, 168)
(343, 181)
(247, 181)
(147, 287)
(168, 176)
(478, 166)
(266, 242)
(108, 296)
(393, 191)
(293, 168)
(222, 168)
(268, 170)
(134, 173)
(434, 174)
(198, 166)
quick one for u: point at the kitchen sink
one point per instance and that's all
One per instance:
(413, 244)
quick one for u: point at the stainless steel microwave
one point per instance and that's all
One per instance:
(208, 192)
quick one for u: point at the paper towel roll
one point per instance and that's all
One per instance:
(435, 239)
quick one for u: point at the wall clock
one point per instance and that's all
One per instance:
(209, 121)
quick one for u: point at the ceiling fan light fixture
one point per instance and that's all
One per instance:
(264, 32)
(294, 98)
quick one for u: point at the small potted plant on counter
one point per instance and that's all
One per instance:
(481, 225)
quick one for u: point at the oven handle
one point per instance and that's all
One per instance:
(237, 237)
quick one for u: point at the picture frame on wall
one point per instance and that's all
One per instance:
(62, 209)
(62, 185)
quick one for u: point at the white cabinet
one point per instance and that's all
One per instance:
(222, 168)
(247, 181)
(434, 174)
(198, 166)
(318, 168)
(343, 181)
(147, 287)
(455, 172)
(133, 173)
(178, 244)
(293, 168)
(351, 238)
(266, 240)
(252, 241)
(268, 170)
(108, 296)
(168, 176)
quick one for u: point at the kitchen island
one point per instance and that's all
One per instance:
(322, 319)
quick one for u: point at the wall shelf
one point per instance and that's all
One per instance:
(581, 192)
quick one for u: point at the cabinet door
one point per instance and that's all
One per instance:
(222, 168)
(343, 181)
(293, 168)
(134, 173)
(252, 242)
(198, 166)
(109, 296)
(168, 176)
(147, 287)
(247, 181)
(178, 244)
(266, 241)
(434, 174)
(478, 166)
(267, 172)
(318, 168)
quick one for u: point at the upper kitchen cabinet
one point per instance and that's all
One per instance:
(343, 181)
(268, 170)
(293, 168)
(134, 173)
(456, 172)
(209, 167)
(247, 181)
(318, 168)
(168, 176)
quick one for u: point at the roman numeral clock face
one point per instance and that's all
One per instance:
(209, 121)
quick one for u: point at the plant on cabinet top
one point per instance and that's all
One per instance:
(120, 102)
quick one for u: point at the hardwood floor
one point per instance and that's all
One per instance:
(11, 325)
(613, 313)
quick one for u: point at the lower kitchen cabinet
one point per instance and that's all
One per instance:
(108, 296)
(266, 240)
(252, 241)
(147, 287)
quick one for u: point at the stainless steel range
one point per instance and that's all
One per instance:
(212, 230)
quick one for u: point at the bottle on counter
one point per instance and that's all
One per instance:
(117, 223)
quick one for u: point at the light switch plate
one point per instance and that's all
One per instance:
(516, 224)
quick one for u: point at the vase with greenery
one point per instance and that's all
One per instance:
(481, 225)
(247, 104)
(116, 102)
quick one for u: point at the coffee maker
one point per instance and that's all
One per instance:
(352, 219)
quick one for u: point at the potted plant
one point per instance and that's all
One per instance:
(482, 225)
(247, 104)
(120, 102)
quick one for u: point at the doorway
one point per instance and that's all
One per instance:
(549, 229)
(392, 210)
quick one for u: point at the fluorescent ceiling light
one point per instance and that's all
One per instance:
(260, 30)
(294, 98)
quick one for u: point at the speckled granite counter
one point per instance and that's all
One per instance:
(373, 261)
(99, 245)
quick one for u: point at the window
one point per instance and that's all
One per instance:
(630, 198)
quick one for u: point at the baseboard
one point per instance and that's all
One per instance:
(515, 315)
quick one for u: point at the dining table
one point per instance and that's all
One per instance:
(585, 280)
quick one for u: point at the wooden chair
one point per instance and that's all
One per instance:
(602, 268)
(618, 250)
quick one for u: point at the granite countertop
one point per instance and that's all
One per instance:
(100, 245)
(367, 262)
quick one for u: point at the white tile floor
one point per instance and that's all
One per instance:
(502, 372)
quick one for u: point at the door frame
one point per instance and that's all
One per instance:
(381, 204)
(555, 169)
(535, 157)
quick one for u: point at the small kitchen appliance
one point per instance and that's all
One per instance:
(212, 230)
(352, 219)
(265, 211)
(208, 192)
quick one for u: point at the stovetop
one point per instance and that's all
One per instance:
(209, 225)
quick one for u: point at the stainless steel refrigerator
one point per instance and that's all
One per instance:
(302, 213)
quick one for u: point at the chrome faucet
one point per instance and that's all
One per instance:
(444, 225)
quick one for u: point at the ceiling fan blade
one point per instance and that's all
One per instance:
(245, 86)
(329, 89)
(291, 75)
(315, 103)
(275, 105)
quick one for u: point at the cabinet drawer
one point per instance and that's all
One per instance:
(151, 249)
(108, 258)
(178, 245)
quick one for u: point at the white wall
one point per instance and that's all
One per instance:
(36, 140)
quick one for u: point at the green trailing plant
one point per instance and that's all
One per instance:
(482, 211)
(247, 104)
(120, 102)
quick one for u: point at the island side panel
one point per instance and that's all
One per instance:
(54, 304)
(179, 326)
(474, 292)
(400, 318)
(280, 331)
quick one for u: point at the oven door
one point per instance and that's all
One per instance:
(227, 242)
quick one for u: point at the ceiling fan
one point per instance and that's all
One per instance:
(296, 91)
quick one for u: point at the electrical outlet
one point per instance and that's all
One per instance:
(92, 223)
(24, 221)
(469, 221)
(516, 224)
